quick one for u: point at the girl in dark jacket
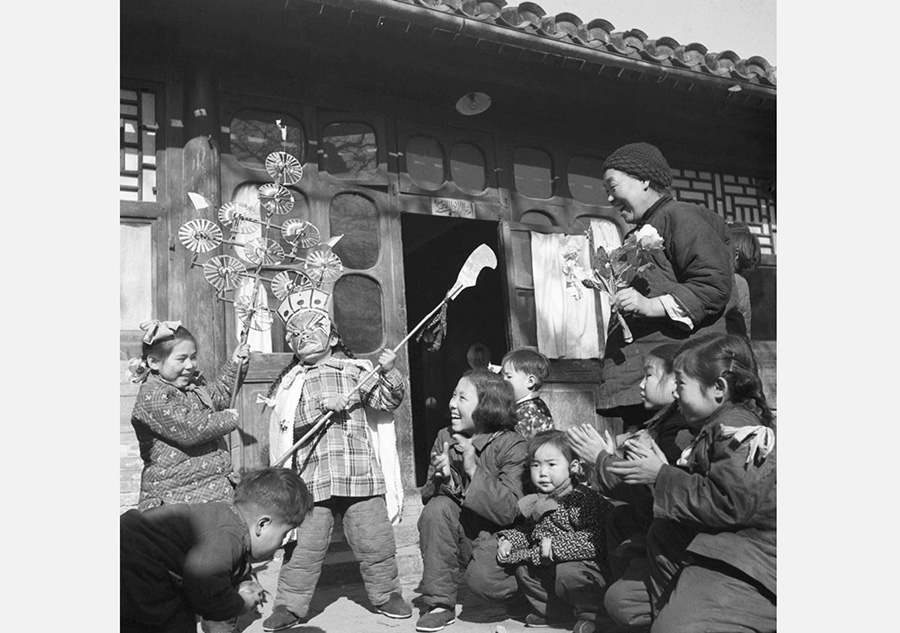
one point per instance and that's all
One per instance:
(711, 545)
(472, 489)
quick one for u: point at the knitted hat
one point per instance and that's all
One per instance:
(641, 160)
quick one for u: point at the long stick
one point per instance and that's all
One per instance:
(327, 416)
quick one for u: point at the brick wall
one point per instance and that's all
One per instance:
(735, 198)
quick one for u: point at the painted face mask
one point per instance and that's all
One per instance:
(309, 335)
(307, 324)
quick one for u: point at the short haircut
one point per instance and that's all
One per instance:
(496, 410)
(277, 491)
(530, 362)
(554, 437)
(745, 246)
(666, 354)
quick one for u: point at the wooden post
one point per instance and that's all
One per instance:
(204, 315)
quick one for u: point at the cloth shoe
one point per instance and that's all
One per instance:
(395, 607)
(436, 619)
(280, 619)
(536, 621)
(584, 626)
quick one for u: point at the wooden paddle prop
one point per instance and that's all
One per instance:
(482, 257)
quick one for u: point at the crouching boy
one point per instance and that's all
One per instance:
(179, 561)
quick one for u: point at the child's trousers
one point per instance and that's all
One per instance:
(692, 593)
(554, 591)
(370, 536)
(451, 539)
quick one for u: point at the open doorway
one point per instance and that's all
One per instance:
(434, 251)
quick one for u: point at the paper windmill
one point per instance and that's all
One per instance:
(284, 168)
(276, 198)
(286, 282)
(324, 266)
(224, 272)
(238, 217)
(259, 315)
(263, 251)
(301, 232)
(200, 235)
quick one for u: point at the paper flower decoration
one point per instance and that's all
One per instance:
(200, 235)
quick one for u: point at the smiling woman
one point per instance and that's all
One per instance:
(682, 294)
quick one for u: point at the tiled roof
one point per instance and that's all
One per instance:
(600, 35)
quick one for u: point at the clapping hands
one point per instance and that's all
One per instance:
(589, 443)
(643, 461)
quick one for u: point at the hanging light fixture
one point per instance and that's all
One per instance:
(473, 103)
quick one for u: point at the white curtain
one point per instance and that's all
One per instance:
(258, 340)
(567, 327)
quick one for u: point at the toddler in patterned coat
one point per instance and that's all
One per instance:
(558, 546)
(181, 420)
(525, 369)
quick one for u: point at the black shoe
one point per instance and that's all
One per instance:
(280, 619)
(436, 619)
(395, 607)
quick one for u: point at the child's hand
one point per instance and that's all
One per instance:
(241, 354)
(588, 442)
(337, 402)
(441, 462)
(642, 465)
(252, 593)
(546, 549)
(465, 446)
(504, 547)
(387, 360)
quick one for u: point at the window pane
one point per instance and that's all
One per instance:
(356, 218)
(254, 135)
(148, 108)
(129, 159)
(467, 167)
(148, 147)
(425, 162)
(537, 217)
(135, 275)
(534, 173)
(349, 150)
(357, 313)
(586, 180)
(129, 128)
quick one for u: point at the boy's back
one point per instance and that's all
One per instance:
(180, 559)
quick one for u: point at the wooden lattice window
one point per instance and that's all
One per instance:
(138, 124)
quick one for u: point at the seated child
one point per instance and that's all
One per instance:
(628, 523)
(473, 484)
(181, 420)
(525, 369)
(711, 548)
(179, 561)
(560, 539)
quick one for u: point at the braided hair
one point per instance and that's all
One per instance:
(729, 357)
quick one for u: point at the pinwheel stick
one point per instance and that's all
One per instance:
(481, 257)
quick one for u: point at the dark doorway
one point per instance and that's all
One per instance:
(434, 251)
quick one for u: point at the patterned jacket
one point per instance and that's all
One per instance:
(575, 523)
(181, 435)
(340, 461)
(533, 416)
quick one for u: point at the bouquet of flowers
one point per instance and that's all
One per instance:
(614, 270)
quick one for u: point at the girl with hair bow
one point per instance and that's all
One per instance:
(181, 420)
